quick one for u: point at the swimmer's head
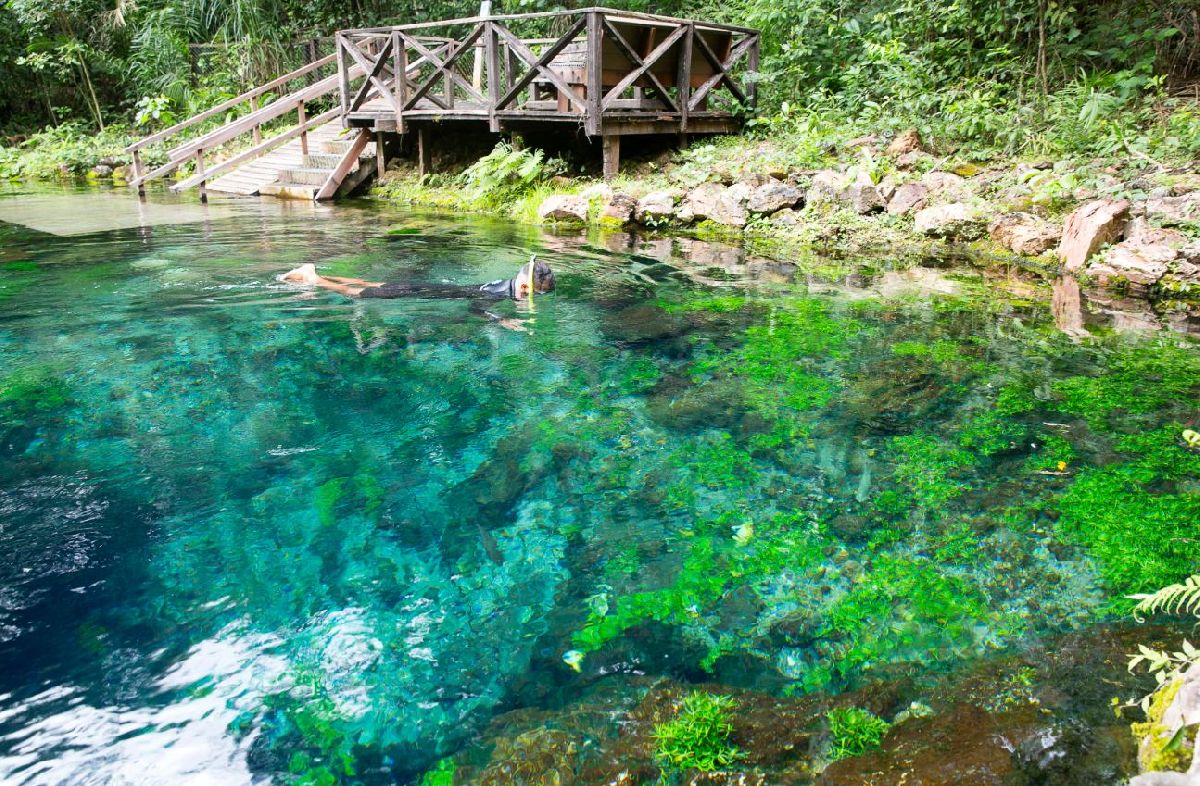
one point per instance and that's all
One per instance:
(539, 273)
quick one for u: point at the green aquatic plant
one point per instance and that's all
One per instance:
(929, 469)
(441, 775)
(1137, 516)
(697, 738)
(854, 731)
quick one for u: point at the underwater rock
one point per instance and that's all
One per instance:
(894, 395)
(677, 403)
(643, 322)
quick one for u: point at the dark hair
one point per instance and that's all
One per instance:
(543, 277)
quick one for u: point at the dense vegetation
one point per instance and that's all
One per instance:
(1016, 76)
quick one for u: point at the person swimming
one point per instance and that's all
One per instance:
(534, 277)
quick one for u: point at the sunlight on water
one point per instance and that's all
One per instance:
(256, 533)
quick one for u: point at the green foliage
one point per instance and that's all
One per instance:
(1181, 598)
(1133, 515)
(929, 469)
(854, 731)
(441, 775)
(70, 149)
(697, 738)
(506, 175)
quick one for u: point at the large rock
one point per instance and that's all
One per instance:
(1142, 259)
(908, 197)
(656, 207)
(731, 206)
(905, 142)
(827, 187)
(1174, 209)
(862, 196)
(952, 185)
(956, 221)
(619, 207)
(1023, 233)
(1091, 226)
(773, 197)
(564, 208)
(701, 203)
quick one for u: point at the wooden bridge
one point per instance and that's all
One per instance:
(597, 72)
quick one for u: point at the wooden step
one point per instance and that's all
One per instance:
(322, 161)
(305, 176)
(290, 191)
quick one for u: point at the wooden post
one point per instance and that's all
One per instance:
(400, 85)
(595, 74)
(485, 9)
(683, 81)
(257, 129)
(424, 159)
(380, 159)
(612, 156)
(491, 49)
(137, 173)
(343, 72)
(200, 171)
(303, 132)
(752, 75)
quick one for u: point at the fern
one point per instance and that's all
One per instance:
(506, 174)
(1173, 599)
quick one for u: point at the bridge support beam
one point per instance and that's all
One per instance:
(612, 156)
(424, 159)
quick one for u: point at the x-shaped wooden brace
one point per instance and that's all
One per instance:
(443, 67)
(540, 65)
(721, 69)
(642, 67)
(373, 72)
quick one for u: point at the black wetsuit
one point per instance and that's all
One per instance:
(494, 290)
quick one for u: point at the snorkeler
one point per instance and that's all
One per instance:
(534, 276)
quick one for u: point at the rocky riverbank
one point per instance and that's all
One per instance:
(1131, 229)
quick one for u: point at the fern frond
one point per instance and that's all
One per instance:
(1174, 599)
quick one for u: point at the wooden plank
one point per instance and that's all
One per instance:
(258, 150)
(424, 159)
(444, 67)
(683, 82)
(620, 14)
(612, 156)
(722, 70)
(491, 56)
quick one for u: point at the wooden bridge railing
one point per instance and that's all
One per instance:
(607, 66)
(251, 123)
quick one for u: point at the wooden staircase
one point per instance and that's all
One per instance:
(315, 159)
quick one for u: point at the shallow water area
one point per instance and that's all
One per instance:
(264, 534)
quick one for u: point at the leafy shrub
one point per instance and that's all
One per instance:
(854, 731)
(698, 737)
(506, 174)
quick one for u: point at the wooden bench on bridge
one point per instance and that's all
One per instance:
(597, 72)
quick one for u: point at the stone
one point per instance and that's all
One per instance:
(1023, 233)
(1174, 209)
(908, 197)
(1141, 266)
(954, 221)
(949, 183)
(564, 208)
(1091, 226)
(773, 197)
(826, 187)
(912, 159)
(701, 202)
(905, 142)
(787, 218)
(1140, 231)
(887, 187)
(655, 207)
(731, 206)
(863, 198)
(619, 207)
(102, 170)
(862, 141)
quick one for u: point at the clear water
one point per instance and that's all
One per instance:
(256, 534)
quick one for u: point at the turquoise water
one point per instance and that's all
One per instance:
(256, 533)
